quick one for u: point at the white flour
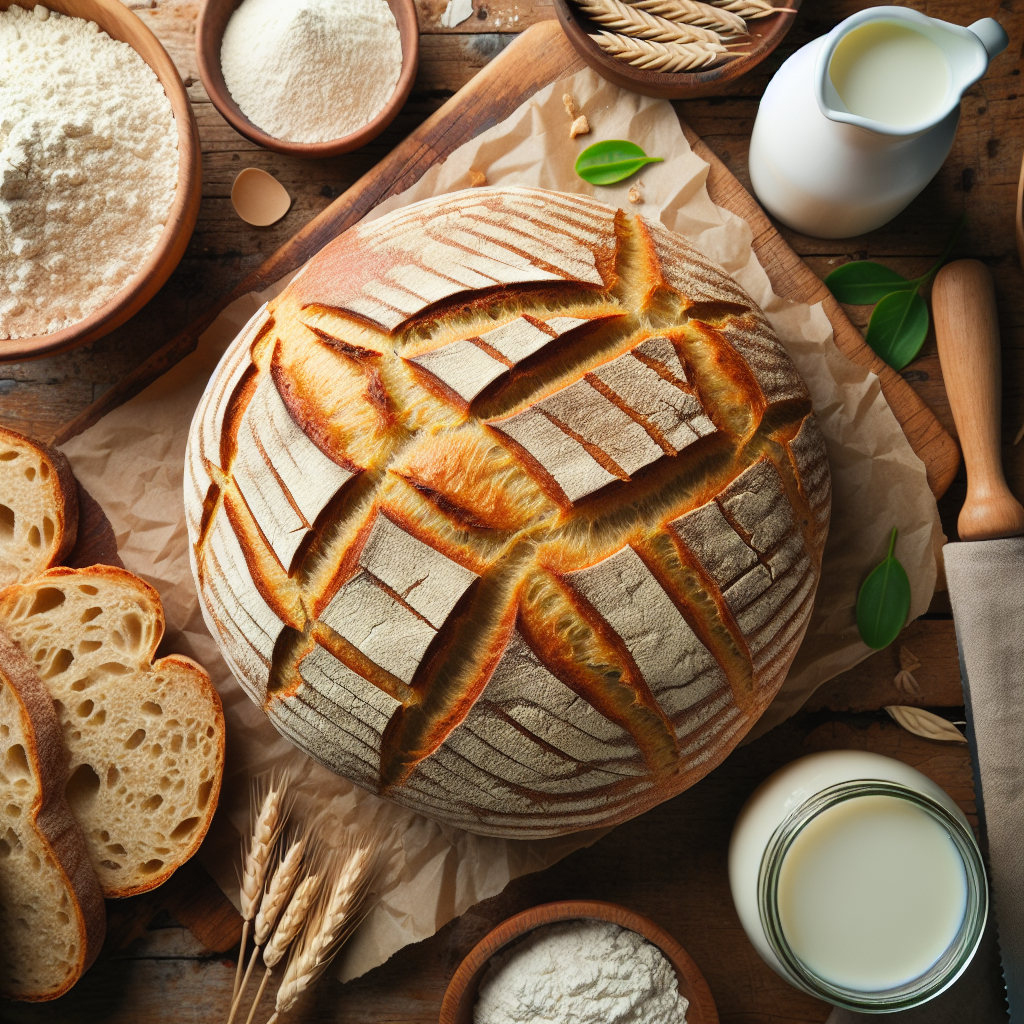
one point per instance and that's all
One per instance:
(88, 169)
(311, 70)
(581, 972)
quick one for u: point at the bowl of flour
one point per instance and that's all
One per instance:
(99, 172)
(309, 78)
(578, 962)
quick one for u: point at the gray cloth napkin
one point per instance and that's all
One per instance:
(977, 997)
(986, 588)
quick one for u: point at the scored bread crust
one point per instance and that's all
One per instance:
(511, 508)
(38, 507)
(40, 919)
(146, 738)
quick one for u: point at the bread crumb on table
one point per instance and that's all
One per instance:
(581, 126)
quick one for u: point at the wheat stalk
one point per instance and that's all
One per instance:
(690, 12)
(275, 896)
(255, 859)
(631, 21)
(291, 921)
(645, 53)
(331, 923)
(751, 9)
(278, 890)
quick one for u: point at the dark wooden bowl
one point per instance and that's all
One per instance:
(765, 35)
(213, 20)
(460, 998)
(120, 23)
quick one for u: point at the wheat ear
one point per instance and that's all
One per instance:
(690, 12)
(750, 9)
(645, 53)
(288, 926)
(256, 858)
(633, 22)
(334, 918)
(275, 896)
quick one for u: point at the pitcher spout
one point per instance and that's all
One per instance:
(895, 72)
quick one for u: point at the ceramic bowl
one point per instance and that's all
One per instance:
(120, 23)
(213, 20)
(765, 36)
(460, 998)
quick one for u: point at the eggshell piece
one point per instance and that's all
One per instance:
(259, 198)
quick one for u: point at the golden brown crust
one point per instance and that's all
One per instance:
(505, 435)
(54, 823)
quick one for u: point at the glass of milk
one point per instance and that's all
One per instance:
(859, 881)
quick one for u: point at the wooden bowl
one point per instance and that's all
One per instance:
(460, 997)
(120, 23)
(765, 36)
(213, 20)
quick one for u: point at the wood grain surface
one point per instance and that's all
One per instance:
(670, 863)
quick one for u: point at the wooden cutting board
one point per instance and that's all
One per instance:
(539, 56)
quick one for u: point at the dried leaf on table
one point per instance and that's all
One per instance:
(924, 723)
(904, 680)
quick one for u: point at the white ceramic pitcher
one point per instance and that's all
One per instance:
(830, 173)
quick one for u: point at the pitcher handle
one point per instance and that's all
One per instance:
(992, 35)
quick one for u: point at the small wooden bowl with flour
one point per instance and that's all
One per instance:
(210, 28)
(118, 22)
(461, 996)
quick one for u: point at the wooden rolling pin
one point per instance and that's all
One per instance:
(967, 332)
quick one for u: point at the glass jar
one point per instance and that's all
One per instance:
(835, 805)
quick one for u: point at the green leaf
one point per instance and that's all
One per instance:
(883, 603)
(898, 328)
(605, 163)
(863, 282)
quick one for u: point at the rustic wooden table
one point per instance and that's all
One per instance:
(670, 863)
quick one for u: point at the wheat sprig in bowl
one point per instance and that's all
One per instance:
(675, 49)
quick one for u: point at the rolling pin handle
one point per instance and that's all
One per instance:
(967, 332)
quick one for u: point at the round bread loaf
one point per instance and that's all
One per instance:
(510, 508)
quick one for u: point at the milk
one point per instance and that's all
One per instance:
(890, 72)
(871, 893)
(858, 880)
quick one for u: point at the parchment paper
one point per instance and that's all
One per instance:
(132, 463)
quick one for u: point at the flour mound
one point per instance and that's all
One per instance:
(581, 972)
(311, 70)
(88, 169)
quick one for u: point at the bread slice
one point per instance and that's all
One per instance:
(52, 917)
(38, 507)
(146, 738)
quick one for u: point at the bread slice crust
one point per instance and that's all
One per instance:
(146, 738)
(61, 914)
(38, 507)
